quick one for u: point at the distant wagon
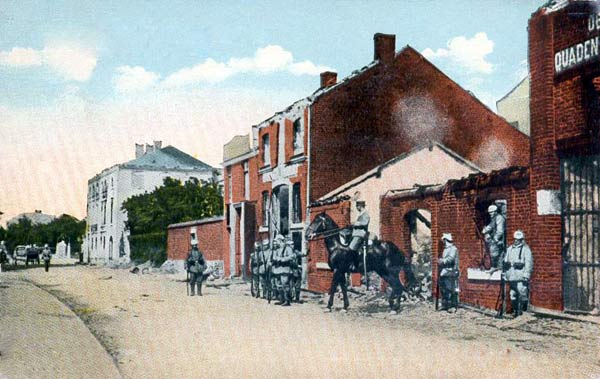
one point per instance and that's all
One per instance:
(27, 254)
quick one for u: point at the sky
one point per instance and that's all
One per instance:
(82, 81)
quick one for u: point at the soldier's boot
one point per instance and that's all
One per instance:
(286, 297)
(200, 289)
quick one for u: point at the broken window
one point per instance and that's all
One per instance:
(298, 138)
(265, 208)
(491, 229)
(296, 204)
(266, 150)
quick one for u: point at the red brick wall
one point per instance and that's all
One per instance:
(453, 212)
(357, 125)
(319, 279)
(558, 128)
(210, 241)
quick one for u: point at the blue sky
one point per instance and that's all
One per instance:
(84, 80)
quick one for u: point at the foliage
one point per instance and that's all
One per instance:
(65, 228)
(173, 202)
(149, 247)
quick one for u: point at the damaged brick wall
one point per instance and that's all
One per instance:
(373, 117)
(453, 210)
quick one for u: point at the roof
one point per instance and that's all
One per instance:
(207, 220)
(238, 146)
(376, 171)
(36, 218)
(167, 158)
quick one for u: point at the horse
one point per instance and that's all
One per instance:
(384, 258)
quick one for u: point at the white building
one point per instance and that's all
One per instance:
(514, 106)
(106, 236)
(36, 218)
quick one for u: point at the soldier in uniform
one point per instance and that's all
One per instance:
(195, 266)
(276, 286)
(285, 255)
(3, 254)
(255, 280)
(360, 226)
(264, 267)
(518, 265)
(296, 276)
(494, 235)
(449, 273)
(46, 255)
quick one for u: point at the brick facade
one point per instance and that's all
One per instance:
(210, 239)
(559, 128)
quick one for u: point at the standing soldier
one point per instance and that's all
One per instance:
(494, 235)
(195, 266)
(276, 287)
(255, 280)
(285, 257)
(3, 254)
(296, 276)
(264, 267)
(449, 273)
(46, 254)
(518, 265)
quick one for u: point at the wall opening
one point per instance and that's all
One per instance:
(419, 225)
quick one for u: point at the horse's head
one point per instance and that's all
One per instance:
(321, 223)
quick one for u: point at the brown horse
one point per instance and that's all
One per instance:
(384, 258)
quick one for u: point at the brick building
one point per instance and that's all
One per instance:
(565, 138)
(396, 103)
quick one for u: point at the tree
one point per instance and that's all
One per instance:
(65, 228)
(149, 214)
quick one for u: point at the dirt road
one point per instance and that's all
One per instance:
(154, 331)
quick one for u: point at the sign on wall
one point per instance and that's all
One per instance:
(580, 53)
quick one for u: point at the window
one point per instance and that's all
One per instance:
(104, 212)
(229, 185)
(266, 150)
(298, 139)
(265, 208)
(246, 182)
(296, 204)
(112, 199)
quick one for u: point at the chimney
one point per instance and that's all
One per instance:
(149, 148)
(157, 145)
(139, 150)
(328, 78)
(385, 47)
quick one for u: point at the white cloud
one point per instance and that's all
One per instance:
(66, 59)
(468, 53)
(268, 59)
(132, 79)
(21, 57)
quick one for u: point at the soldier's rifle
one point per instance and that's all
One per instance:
(439, 271)
(485, 250)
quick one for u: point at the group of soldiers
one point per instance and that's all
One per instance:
(277, 271)
(46, 255)
(516, 263)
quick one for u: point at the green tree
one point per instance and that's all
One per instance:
(65, 228)
(149, 214)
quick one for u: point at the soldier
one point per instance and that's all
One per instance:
(494, 236)
(3, 254)
(264, 267)
(360, 227)
(296, 276)
(448, 273)
(195, 266)
(518, 265)
(46, 255)
(255, 280)
(284, 258)
(276, 286)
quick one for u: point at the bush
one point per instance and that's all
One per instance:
(149, 247)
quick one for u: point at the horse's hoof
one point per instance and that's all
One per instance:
(328, 310)
(344, 311)
(393, 312)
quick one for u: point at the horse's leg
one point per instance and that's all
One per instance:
(397, 289)
(334, 284)
(344, 286)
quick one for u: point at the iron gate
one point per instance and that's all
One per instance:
(580, 178)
